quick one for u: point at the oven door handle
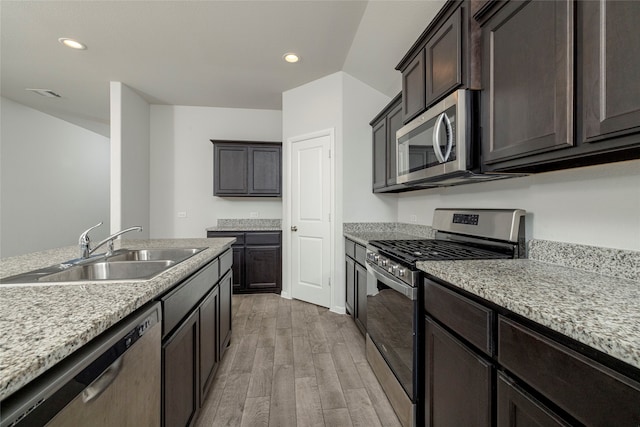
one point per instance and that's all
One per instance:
(389, 280)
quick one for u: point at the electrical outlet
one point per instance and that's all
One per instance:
(182, 214)
(253, 215)
(414, 219)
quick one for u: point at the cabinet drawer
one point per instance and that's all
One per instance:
(258, 238)
(177, 304)
(238, 235)
(587, 390)
(350, 248)
(361, 254)
(467, 318)
(226, 261)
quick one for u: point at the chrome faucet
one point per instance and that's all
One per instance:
(85, 243)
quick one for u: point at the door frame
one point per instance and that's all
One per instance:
(287, 265)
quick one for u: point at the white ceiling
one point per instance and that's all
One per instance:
(198, 53)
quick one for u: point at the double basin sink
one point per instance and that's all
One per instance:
(123, 264)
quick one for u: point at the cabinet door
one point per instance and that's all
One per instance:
(231, 170)
(413, 93)
(180, 389)
(238, 269)
(380, 155)
(527, 79)
(394, 122)
(516, 408)
(264, 170)
(361, 297)
(458, 382)
(263, 268)
(443, 61)
(208, 341)
(350, 277)
(225, 312)
(611, 64)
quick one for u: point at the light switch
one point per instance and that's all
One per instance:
(182, 214)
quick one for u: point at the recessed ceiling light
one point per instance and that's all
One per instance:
(291, 57)
(73, 44)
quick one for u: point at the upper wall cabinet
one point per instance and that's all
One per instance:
(384, 128)
(441, 60)
(611, 69)
(247, 169)
(560, 85)
(527, 102)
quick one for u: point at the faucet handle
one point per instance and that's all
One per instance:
(84, 237)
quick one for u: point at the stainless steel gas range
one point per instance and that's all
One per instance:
(395, 312)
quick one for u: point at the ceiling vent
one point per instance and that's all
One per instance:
(45, 92)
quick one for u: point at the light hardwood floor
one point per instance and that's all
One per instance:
(290, 364)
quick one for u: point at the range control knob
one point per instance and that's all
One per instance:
(376, 257)
(401, 272)
(384, 262)
(394, 269)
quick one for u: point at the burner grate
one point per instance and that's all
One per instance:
(412, 251)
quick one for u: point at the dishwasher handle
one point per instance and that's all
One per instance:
(95, 389)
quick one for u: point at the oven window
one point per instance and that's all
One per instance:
(390, 326)
(415, 149)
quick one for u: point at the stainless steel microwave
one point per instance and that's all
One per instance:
(441, 147)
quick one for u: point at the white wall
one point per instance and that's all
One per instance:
(129, 161)
(596, 205)
(361, 103)
(54, 181)
(182, 166)
(346, 105)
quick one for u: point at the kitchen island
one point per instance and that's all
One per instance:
(43, 323)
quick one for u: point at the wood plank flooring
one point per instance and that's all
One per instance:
(291, 364)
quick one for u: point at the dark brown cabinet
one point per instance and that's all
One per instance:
(610, 59)
(257, 260)
(413, 101)
(196, 330)
(247, 169)
(444, 58)
(517, 408)
(527, 100)
(384, 128)
(356, 283)
(209, 340)
(541, 378)
(180, 383)
(557, 84)
(458, 382)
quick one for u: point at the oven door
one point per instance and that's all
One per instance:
(434, 144)
(392, 322)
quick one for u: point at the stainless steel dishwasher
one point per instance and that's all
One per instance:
(114, 380)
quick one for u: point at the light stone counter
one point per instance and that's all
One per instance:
(251, 224)
(41, 324)
(600, 311)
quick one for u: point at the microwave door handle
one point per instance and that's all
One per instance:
(449, 133)
(436, 138)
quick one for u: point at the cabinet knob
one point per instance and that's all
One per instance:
(294, 228)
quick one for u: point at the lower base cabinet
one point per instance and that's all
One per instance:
(458, 382)
(257, 260)
(180, 397)
(540, 378)
(356, 283)
(196, 331)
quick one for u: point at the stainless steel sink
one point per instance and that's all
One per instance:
(173, 254)
(111, 270)
(124, 264)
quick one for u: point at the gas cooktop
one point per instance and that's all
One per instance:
(411, 251)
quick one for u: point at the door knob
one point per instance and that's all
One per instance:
(294, 228)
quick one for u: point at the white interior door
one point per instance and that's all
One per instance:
(310, 219)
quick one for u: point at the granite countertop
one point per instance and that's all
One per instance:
(600, 311)
(363, 237)
(43, 323)
(243, 224)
